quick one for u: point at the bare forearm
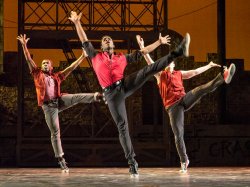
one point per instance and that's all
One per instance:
(202, 69)
(148, 59)
(191, 73)
(77, 62)
(80, 32)
(26, 52)
(151, 47)
(28, 58)
(73, 66)
(146, 56)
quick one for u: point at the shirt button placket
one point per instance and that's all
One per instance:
(110, 69)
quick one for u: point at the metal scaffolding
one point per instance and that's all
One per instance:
(119, 15)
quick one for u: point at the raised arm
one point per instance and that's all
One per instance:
(73, 66)
(88, 47)
(23, 40)
(153, 46)
(76, 19)
(191, 73)
(147, 57)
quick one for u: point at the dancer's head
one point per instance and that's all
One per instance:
(107, 44)
(47, 65)
(170, 67)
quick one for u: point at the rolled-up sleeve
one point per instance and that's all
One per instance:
(61, 76)
(88, 47)
(136, 56)
(34, 71)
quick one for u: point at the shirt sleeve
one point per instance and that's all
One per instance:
(34, 71)
(88, 47)
(136, 56)
(61, 76)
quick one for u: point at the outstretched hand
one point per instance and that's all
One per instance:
(140, 41)
(165, 39)
(23, 40)
(212, 64)
(74, 17)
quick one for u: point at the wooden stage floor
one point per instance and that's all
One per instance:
(112, 177)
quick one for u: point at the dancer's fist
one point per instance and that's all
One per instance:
(140, 41)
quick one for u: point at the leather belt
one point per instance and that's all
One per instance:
(112, 86)
(51, 101)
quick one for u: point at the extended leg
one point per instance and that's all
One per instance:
(193, 96)
(137, 79)
(69, 100)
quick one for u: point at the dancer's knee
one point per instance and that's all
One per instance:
(179, 137)
(122, 128)
(55, 134)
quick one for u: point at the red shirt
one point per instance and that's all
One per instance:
(109, 70)
(171, 87)
(39, 77)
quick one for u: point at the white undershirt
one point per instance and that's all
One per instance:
(50, 88)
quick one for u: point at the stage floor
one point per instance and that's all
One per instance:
(112, 177)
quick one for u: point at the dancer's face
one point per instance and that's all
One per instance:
(107, 43)
(46, 65)
(171, 65)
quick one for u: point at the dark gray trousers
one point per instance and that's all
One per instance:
(116, 99)
(51, 111)
(176, 112)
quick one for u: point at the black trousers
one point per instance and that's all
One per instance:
(116, 99)
(176, 112)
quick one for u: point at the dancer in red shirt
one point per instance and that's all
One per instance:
(51, 99)
(109, 68)
(176, 101)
